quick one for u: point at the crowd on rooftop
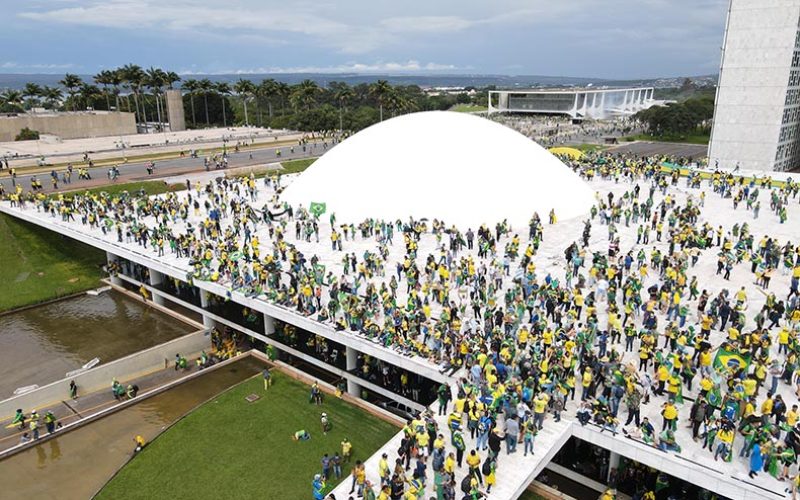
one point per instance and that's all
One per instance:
(607, 332)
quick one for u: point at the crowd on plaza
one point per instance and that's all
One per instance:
(559, 130)
(633, 327)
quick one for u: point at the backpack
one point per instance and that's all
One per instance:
(466, 485)
(486, 468)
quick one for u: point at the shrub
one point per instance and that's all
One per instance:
(27, 134)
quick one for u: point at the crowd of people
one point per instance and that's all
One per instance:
(560, 130)
(675, 304)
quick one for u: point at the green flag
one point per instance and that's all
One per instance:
(662, 481)
(317, 208)
(731, 360)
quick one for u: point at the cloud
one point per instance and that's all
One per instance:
(612, 38)
(355, 67)
(431, 24)
(35, 66)
(192, 18)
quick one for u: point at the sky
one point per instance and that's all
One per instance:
(617, 39)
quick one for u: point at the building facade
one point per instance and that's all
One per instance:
(68, 125)
(594, 104)
(175, 114)
(757, 112)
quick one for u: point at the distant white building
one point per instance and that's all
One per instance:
(757, 113)
(578, 103)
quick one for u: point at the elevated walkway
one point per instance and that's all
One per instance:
(514, 472)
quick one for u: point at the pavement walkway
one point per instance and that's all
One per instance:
(514, 471)
(70, 410)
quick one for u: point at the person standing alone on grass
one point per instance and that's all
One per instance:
(267, 379)
(346, 449)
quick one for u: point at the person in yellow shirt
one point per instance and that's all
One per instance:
(383, 469)
(670, 414)
(474, 464)
(423, 441)
(725, 438)
(586, 382)
(792, 416)
(539, 408)
(450, 463)
(662, 375)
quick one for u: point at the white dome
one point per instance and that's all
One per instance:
(455, 167)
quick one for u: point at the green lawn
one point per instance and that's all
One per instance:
(38, 265)
(150, 188)
(468, 108)
(590, 148)
(295, 166)
(229, 448)
(689, 139)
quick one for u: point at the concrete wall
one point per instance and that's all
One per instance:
(756, 62)
(177, 121)
(69, 125)
(98, 378)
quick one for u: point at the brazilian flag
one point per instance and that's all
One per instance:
(731, 360)
(714, 396)
(662, 482)
(317, 209)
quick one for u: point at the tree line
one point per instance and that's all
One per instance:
(692, 116)
(268, 103)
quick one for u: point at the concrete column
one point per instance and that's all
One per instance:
(613, 463)
(111, 258)
(208, 322)
(269, 324)
(602, 113)
(156, 278)
(353, 388)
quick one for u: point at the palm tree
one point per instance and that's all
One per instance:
(171, 78)
(380, 90)
(155, 79)
(282, 91)
(115, 80)
(342, 94)
(244, 89)
(89, 93)
(52, 96)
(134, 76)
(205, 86)
(190, 86)
(11, 100)
(305, 93)
(31, 93)
(72, 83)
(269, 88)
(104, 78)
(396, 102)
(223, 89)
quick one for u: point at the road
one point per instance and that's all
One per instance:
(136, 171)
(643, 148)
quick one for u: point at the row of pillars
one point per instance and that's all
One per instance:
(156, 278)
(594, 103)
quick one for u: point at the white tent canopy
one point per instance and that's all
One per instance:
(455, 167)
